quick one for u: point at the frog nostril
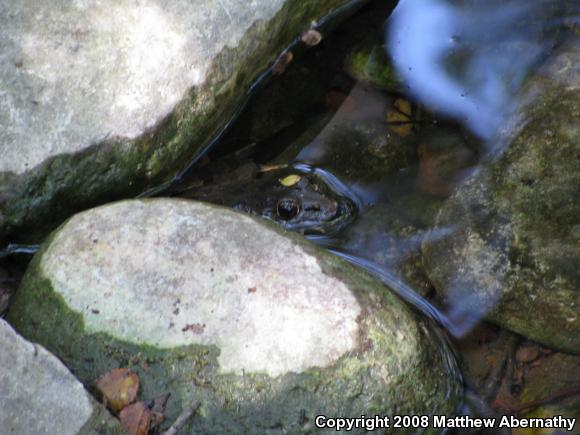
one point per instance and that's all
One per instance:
(287, 208)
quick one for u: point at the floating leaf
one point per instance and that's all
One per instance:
(119, 388)
(290, 180)
(136, 419)
(404, 107)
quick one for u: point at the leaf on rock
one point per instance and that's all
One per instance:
(136, 419)
(119, 388)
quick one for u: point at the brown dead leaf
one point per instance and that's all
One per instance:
(429, 179)
(527, 354)
(136, 419)
(119, 388)
(158, 410)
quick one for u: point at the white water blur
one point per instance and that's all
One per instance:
(467, 59)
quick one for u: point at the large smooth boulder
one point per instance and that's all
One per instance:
(515, 251)
(40, 396)
(263, 328)
(102, 99)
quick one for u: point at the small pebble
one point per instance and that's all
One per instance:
(282, 63)
(311, 37)
(526, 354)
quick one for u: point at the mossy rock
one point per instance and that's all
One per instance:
(263, 328)
(515, 249)
(371, 64)
(103, 102)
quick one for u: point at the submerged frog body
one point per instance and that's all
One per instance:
(305, 200)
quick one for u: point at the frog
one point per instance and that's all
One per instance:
(297, 197)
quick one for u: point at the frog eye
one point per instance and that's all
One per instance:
(287, 208)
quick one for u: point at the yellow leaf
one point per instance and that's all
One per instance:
(404, 107)
(400, 118)
(290, 180)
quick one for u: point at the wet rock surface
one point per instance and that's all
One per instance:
(370, 63)
(551, 386)
(359, 129)
(519, 377)
(39, 394)
(514, 256)
(390, 239)
(102, 99)
(264, 329)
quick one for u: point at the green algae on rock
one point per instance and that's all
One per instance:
(263, 328)
(39, 395)
(514, 255)
(104, 99)
(372, 65)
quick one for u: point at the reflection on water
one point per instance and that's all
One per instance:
(468, 59)
(397, 165)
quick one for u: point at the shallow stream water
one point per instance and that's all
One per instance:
(396, 152)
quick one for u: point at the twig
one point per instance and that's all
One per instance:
(182, 419)
(503, 370)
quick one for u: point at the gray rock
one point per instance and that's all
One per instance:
(516, 251)
(264, 329)
(103, 99)
(40, 396)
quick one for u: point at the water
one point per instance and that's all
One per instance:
(468, 59)
(399, 154)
